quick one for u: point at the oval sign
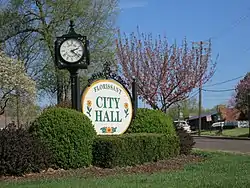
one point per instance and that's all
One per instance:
(108, 104)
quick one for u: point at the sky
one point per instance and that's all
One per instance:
(226, 22)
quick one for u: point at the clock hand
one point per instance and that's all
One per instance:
(75, 53)
(74, 50)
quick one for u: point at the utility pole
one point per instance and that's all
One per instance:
(248, 97)
(179, 111)
(200, 46)
(200, 90)
(200, 98)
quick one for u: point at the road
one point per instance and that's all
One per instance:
(223, 144)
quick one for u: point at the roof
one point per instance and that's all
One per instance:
(203, 115)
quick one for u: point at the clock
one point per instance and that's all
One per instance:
(71, 50)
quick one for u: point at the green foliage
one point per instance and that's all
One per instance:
(133, 149)
(188, 108)
(68, 133)
(21, 110)
(151, 121)
(186, 141)
(30, 26)
(21, 152)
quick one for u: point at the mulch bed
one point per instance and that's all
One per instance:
(172, 164)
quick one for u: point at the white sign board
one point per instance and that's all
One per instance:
(209, 118)
(108, 105)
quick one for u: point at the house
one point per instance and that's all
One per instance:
(207, 119)
(228, 115)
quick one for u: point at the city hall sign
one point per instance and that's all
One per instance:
(108, 104)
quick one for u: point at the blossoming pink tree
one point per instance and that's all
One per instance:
(165, 73)
(241, 91)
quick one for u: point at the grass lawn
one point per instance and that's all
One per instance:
(236, 132)
(219, 170)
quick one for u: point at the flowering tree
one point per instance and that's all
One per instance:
(242, 90)
(13, 81)
(165, 74)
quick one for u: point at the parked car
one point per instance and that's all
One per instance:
(182, 124)
(243, 124)
(218, 124)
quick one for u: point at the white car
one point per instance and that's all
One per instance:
(183, 124)
(218, 124)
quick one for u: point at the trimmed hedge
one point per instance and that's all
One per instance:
(133, 149)
(21, 153)
(151, 121)
(69, 135)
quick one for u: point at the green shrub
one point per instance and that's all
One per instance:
(151, 121)
(69, 134)
(133, 149)
(186, 141)
(21, 152)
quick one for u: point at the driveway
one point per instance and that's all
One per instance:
(223, 144)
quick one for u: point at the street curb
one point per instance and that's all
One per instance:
(222, 137)
(223, 151)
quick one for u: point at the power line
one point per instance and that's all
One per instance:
(233, 25)
(222, 90)
(219, 83)
(192, 96)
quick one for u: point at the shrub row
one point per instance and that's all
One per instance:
(132, 149)
(155, 121)
(65, 138)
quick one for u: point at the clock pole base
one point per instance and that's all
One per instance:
(75, 89)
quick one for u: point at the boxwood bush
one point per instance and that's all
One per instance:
(133, 149)
(21, 152)
(151, 121)
(69, 135)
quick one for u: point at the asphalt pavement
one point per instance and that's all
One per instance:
(223, 144)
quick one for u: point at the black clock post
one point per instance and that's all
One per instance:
(71, 53)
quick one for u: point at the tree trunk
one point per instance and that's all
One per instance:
(18, 108)
(59, 85)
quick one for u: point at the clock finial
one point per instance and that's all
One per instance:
(71, 26)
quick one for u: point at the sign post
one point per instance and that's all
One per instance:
(135, 97)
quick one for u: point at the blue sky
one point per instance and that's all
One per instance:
(227, 22)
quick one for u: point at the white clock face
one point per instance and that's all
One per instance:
(71, 50)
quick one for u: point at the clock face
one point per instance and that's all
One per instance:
(71, 50)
